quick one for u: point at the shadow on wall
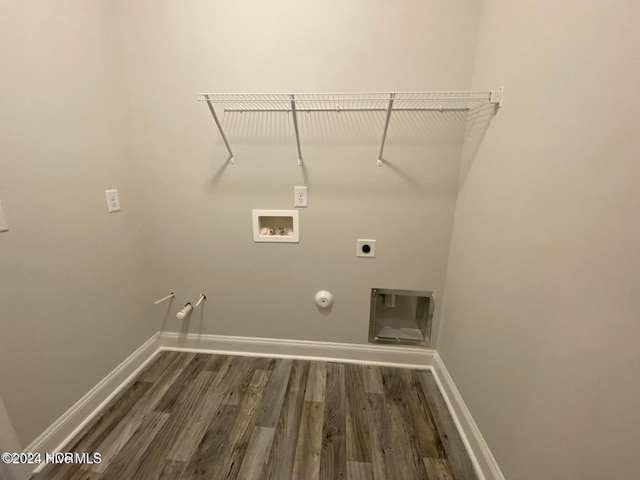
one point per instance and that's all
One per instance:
(167, 313)
(477, 125)
(346, 127)
(364, 128)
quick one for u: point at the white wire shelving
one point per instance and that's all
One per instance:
(346, 102)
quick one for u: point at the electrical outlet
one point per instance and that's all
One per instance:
(300, 196)
(113, 202)
(365, 248)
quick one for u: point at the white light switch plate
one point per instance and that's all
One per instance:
(3, 221)
(113, 202)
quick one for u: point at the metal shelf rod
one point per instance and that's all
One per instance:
(215, 117)
(331, 97)
(295, 126)
(386, 127)
(310, 110)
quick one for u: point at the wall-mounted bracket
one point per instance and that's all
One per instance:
(215, 117)
(386, 127)
(496, 96)
(295, 126)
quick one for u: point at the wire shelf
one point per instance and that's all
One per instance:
(346, 102)
(319, 102)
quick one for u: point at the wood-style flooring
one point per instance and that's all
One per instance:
(201, 416)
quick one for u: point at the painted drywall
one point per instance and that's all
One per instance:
(74, 293)
(199, 209)
(540, 321)
(9, 443)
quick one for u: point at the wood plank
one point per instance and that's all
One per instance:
(230, 459)
(265, 363)
(283, 451)
(170, 400)
(274, 393)
(333, 458)
(226, 392)
(406, 452)
(316, 382)
(239, 379)
(429, 439)
(407, 396)
(158, 452)
(459, 460)
(216, 362)
(212, 444)
(357, 416)
(82, 474)
(372, 379)
(438, 469)
(132, 420)
(172, 470)
(104, 423)
(382, 445)
(197, 415)
(185, 419)
(157, 366)
(257, 456)
(360, 471)
(260, 379)
(306, 465)
(125, 463)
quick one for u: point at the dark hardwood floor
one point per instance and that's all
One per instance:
(200, 416)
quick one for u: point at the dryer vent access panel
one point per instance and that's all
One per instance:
(401, 317)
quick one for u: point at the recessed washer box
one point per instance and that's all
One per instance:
(278, 226)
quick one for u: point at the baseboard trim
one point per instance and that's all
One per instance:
(481, 456)
(412, 357)
(73, 420)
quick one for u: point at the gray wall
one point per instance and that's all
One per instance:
(102, 95)
(541, 313)
(73, 283)
(199, 211)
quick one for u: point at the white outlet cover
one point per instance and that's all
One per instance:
(113, 202)
(361, 248)
(300, 197)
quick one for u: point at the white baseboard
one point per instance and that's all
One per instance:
(412, 357)
(73, 420)
(482, 458)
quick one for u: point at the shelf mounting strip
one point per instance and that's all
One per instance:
(347, 102)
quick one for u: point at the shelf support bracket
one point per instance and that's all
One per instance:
(386, 128)
(295, 126)
(496, 97)
(215, 117)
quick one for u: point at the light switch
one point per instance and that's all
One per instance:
(113, 203)
(3, 221)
